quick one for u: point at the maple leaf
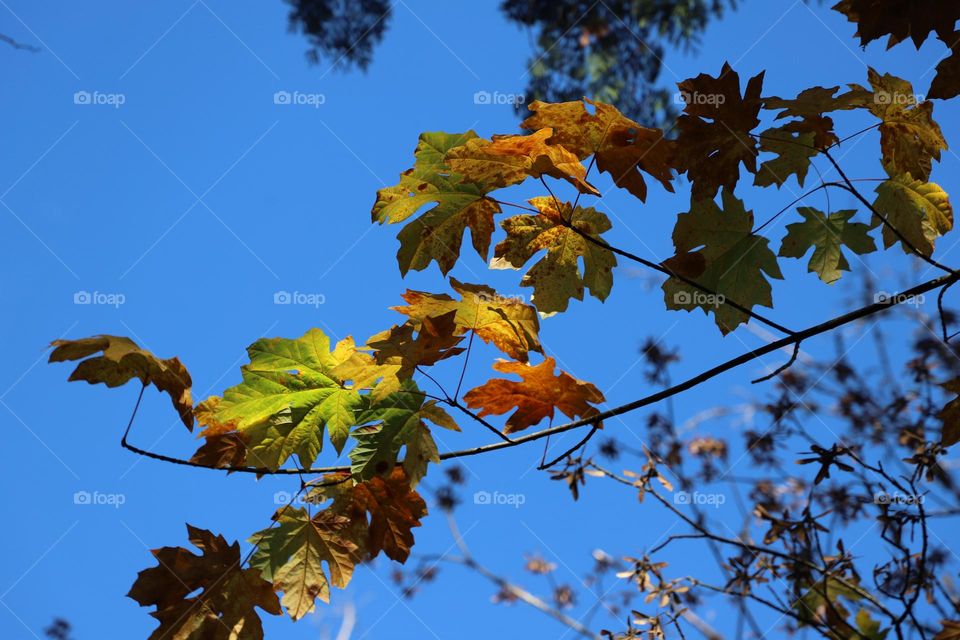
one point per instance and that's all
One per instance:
(794, 151)
(909, 138)
(809, 107)
(536, 398)
(121, 361)
(508, 323)
(292, 554)
(734, 262)
(950, 415)
(507, 160)
(622, 147)
(393, 509)
(920, 211)
(827, 235)
(946, 84)
(391, 422)
(715, 130)
(397, 351)
(900, 19)
(222, 450)
(556, 277)
(225, 608)
(460, 204)
(289, 394)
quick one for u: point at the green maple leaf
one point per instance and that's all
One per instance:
(288, 396)
(556, 278)
(734, 262)
(827, 235)
(794, 151)
(390, 423)
(291, 554)
(920, 211)
(460, 205)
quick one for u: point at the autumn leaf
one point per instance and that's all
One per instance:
(946, 84)
(460, 205)
(222, 450)
(900, 19)
(288, 396)
(224, 608)
(715, 130)
(391, 422)
(920, 211)
(827, 235)
(292, 553)
(809, 108)
(794, 151)
(390, 508)
(734, 262)
(508, 323)
(121, 361)
(622, 147)
(536, 397)
(509, 160)
(398, 349)
(556, 277)
(909, 138)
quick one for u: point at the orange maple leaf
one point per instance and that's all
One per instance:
(536, 397)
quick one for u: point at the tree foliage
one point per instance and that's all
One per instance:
(297, 394)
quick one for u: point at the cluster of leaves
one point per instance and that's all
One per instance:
(296, 394)
(804, 543)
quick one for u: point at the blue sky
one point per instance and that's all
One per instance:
(199, 198)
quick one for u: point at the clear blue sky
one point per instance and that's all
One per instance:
(198, 198)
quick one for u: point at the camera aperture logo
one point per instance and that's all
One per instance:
(99, 298)
(96, 498)
(299, 99)
(515, 500)
(99, 98)
(300, 298)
